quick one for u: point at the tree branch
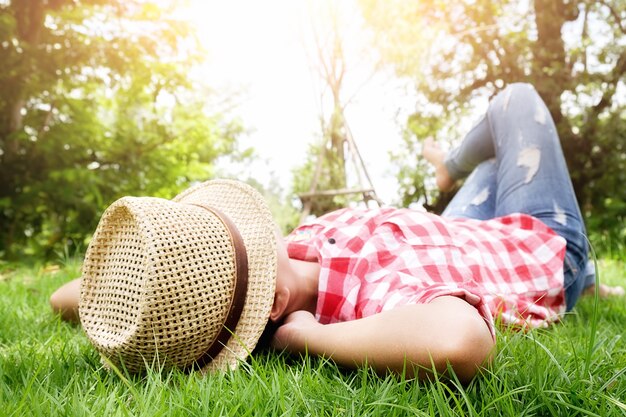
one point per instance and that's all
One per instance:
(615, 14)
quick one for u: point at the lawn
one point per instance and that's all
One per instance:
(48, 368)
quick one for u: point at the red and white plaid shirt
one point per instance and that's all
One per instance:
(374, 260)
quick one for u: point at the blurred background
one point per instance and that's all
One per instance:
(105, 98)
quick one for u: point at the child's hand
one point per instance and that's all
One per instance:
(299, 328)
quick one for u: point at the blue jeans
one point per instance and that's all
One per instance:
(515, 164)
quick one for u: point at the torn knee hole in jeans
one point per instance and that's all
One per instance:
(480, 197)
(559, 215)
(529, 158)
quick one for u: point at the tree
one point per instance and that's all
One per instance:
(572, 51)
(323, 180)
(95, 103)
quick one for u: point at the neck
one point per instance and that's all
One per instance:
(306, 276)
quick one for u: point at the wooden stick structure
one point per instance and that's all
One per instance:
(364, 186)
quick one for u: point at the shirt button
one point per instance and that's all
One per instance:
(331, 241)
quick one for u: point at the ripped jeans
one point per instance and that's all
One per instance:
(516, 164)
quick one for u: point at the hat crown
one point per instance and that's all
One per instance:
(158, 280)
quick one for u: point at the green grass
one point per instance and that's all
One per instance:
(48, 368)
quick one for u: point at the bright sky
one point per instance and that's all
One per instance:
(258, 48)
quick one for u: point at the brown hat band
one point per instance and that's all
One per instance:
(239, 294)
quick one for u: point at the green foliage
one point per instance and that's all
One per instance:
(326, 174)
(48, 368)
(461, 53)
(96, 103)
(331, 177)
(284, 213)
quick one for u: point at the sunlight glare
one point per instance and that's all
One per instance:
(265, 53)
(244, 34)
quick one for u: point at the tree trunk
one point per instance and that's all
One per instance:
(552, 75)
(29, 19)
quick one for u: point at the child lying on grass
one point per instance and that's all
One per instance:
(195, 280)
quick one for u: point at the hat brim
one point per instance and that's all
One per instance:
(247, 209)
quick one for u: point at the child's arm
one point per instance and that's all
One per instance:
(64, 300)
(447, 330)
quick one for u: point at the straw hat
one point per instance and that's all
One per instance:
(185, 283)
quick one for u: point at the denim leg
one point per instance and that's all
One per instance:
(476, 199)
(533, 176)
(531, 173)
(476, 147)
(590, 274)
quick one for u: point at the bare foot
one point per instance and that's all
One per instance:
(605, 291)
(435, 155)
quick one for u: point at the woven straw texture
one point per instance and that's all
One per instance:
(249, 211)
(159, 275)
